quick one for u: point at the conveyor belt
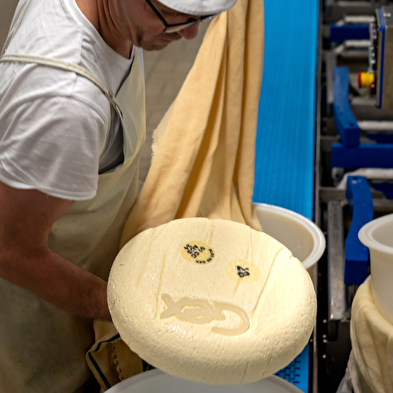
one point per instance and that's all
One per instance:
(297, 371)
(284, 169)
(285, 143)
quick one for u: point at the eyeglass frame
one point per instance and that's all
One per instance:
(178, 26)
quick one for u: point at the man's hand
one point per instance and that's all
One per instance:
(26, 218)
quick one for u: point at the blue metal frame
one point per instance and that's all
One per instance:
(346, 124)
(351, 153)
(348, 32)
(364, 156)
(360, 202)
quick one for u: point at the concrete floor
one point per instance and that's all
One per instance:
(165, 72)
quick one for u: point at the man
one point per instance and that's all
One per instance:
(68, 171)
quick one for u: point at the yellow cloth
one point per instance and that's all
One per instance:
(204, 166)
(371, 360)
(204, 149)
(110, 359)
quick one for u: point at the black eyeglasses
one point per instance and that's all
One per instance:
(180, 26)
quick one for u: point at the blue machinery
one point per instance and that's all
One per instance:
(315, 128)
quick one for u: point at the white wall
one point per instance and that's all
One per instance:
(7, 8)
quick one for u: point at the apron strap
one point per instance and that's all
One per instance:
(57, 63)
(51, 62)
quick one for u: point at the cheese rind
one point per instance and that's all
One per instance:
(193, 320)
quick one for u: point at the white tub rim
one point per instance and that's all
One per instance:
(366, 235)
(315, 231)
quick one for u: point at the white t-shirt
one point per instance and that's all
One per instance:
(57, 129)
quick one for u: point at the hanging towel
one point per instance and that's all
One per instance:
(204, 150)
(371, 360)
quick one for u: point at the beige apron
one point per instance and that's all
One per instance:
(43, 347)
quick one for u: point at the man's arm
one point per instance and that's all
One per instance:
(26, 218)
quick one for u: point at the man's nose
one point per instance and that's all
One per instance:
(190, 32)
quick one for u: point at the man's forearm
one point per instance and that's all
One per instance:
(58, 281)
(26, 219)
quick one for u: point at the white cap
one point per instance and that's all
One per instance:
(199, 7)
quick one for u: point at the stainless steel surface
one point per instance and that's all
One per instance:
(380, 126)
(368, 101)
(337, 306)
(359, 19)
(347, 53)
(357, 44)
(335, 10)
(331, 63)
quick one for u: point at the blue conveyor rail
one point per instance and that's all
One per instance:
(285, 143)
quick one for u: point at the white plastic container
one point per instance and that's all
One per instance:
(300, 235)
(155, 381)
(377, 235)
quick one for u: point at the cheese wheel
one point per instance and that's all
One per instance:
(211, 301)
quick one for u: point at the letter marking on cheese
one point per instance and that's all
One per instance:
(200, 312)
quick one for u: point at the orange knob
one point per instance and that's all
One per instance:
(366, 79)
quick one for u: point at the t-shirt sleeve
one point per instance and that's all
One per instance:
(52, 144)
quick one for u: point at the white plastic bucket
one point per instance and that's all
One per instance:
(377, 235)
(155, 381)
(300, 235)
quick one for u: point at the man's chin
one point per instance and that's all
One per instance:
(154, 46)
(159, 42)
